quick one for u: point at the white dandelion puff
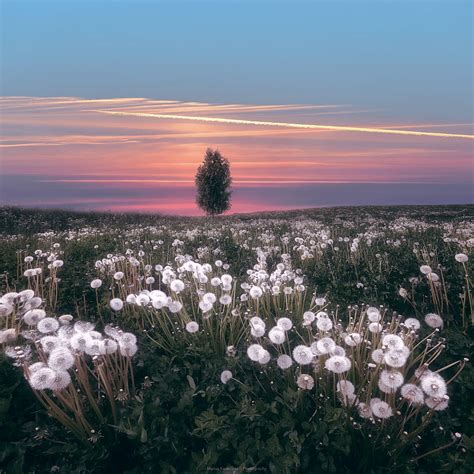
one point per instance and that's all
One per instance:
(60, 358)
(305, 382)
(433, 385)
(42, 378)
(284, 361)
(226, 375)
(303, 355)
(192, 327)
(47, 325)
(277, 335)
(338, 364)
(433, 320)
(116, 304)
(284, 323)
(412, 394)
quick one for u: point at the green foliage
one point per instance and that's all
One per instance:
(184, 420)
(213, 183)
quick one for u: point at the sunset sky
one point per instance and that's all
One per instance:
(111, 105)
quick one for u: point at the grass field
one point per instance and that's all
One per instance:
(325, 340)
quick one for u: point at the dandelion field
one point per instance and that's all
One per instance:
(329, 340)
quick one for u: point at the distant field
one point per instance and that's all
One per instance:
(262, 341)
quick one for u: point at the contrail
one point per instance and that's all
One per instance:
(335, 128)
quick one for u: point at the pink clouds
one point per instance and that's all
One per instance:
(66, 138)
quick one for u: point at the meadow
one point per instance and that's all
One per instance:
(326, 340)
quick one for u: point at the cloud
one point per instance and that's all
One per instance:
(333, 128)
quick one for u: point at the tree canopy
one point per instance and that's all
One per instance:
(213, 183)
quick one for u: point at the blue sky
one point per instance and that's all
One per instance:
(404, 58)
(314, 103)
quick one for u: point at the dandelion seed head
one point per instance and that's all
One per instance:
(305, 382)
(192, 327)
(338, 364)
(433, 320)
(47, 325)
(303, 355)
(412, 394)
(433, 385)
(284, 361)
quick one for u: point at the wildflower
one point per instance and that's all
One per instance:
(412, 323)
(308, 318)
(5, 309)
(412, 394)
(60, 359)
(276, 335)
(256, 321)
(255, 292)
(83, 326)
(422, 371)
(36, 366)
(192, 327)
(353, 339)
(373, 314)
(128, 350)
(375, 328)
(116, 304)
(7, 335)
(346, 387)
(433, 320)
(225, 300)
(338, 364)
(325, 345)
(380, 409)
(128, 338)
(425, 269)
(47, 325)
(305, 382)
(48, 343)
(60, 381)
(403, 293)
(254, 351)
(79, 341)
(377, 356)
(395, 358)
(32, 317)
(205, 306)
(433, 385)
(231, 351)
(303, 355)
(392, 341)
(226, 279)
(391, 378)
(177, 286)
(42, 378)
(437, 403)
(176, 307)
(226, 375)
(65, 319)
(364, 410)
(257, 331)
(118, 276)
(324, 324)
(461, 257)
(320, 301)
(97, 283)
(284, 362)
(284, 323)
(264, 357)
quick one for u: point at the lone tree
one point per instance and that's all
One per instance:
(213, 182)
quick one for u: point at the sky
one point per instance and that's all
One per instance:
(110, 105)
